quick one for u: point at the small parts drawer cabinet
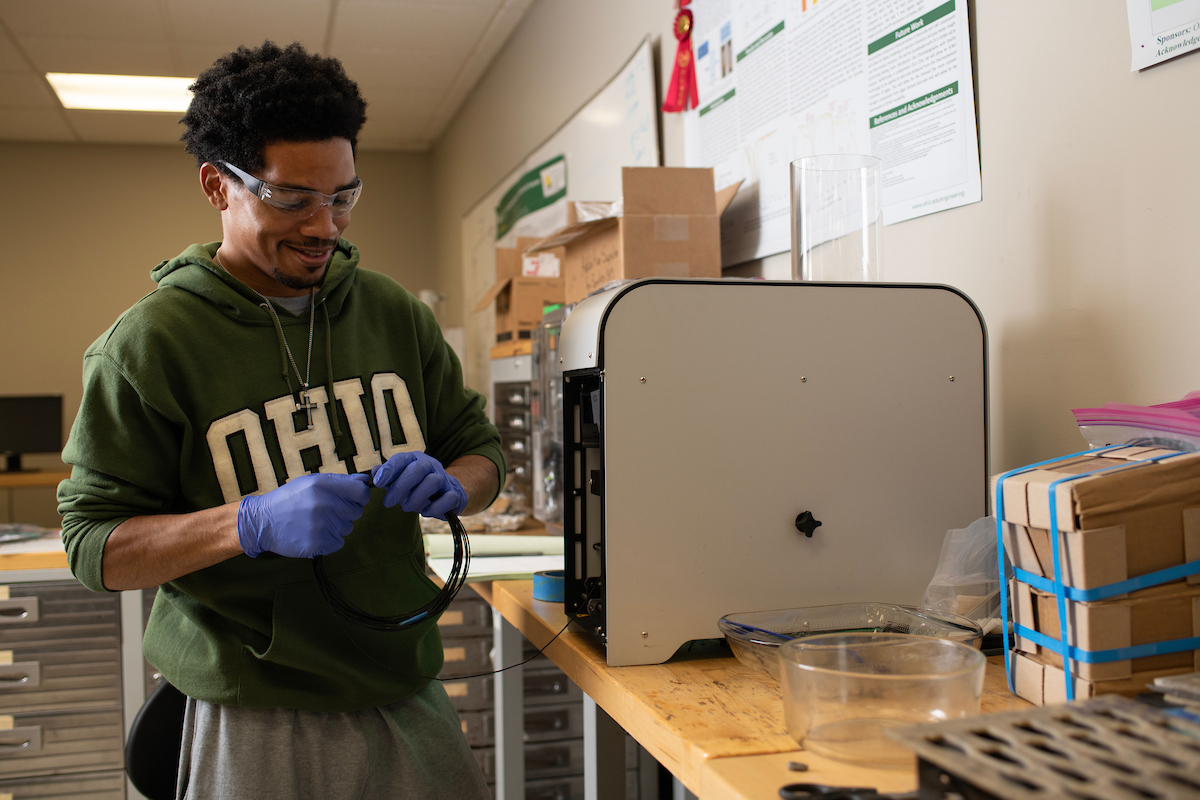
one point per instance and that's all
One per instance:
(61, 728)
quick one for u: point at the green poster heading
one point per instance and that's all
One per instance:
(536, 189)
(760, 41)
(720, 101)
(911, 27)
(945, 93)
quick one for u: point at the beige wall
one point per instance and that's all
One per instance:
(86, 223)
(1084, 255)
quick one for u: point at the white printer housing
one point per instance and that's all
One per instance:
(702, 417)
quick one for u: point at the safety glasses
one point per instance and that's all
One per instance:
(298, 202)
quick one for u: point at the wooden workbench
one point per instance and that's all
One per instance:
(716, 724)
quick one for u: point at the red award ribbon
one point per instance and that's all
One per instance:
(682, 94)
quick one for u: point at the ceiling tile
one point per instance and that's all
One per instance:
(464, 3)
(126, 127)
(392, 131)
(117, 19)
(11, 59)
(415, 60)
(195, 57)
(404, 69)
(35, 125)
(101, 56)
(25, 90)
(438, 28)
(393, 101)
(503, 24)
(396, 125)
(236, 22)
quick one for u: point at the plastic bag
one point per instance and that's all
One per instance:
(967, 580)
(1174, 426)
(592, 210)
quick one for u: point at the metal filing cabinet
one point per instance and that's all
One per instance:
(511, 413)
(61, 711)
(553, 713)
(152, 675)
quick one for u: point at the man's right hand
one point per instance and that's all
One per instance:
(306, 517)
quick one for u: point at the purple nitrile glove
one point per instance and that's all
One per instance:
(306, 517)
(417, 482)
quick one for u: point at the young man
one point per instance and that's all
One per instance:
(228, 424)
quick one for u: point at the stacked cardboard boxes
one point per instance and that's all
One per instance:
(667, 225)
(1131, 511)
(523, 287)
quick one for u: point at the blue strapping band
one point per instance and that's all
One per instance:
(1111, 589)
(1056, 586)
(1116, 653)
(999, 512)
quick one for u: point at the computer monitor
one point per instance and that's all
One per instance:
(29, 424)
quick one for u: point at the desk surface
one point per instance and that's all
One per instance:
(715, 724)
(34, 478)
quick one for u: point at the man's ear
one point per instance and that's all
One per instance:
(214, 185)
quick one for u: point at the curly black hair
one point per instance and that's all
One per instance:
(250, 98)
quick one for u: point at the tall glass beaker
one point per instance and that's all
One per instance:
(837, 218)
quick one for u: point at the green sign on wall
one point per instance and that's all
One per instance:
(539, 187)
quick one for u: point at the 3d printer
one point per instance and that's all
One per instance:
(742, 445)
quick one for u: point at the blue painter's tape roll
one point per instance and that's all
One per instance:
(548, 586)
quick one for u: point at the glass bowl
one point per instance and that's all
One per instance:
(755, 636)
(841, 691)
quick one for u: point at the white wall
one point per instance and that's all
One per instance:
(1084, 255)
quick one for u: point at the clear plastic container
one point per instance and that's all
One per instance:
(841, 691)
(755, 636)
(546, 408)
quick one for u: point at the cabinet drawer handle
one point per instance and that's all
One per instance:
(16, 741)
(20, 673)
(17, 610)
(547, 721)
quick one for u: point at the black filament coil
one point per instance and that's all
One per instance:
(344, 608)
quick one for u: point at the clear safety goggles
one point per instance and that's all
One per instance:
(298, 202)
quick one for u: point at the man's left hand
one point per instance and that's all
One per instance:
(418, 483)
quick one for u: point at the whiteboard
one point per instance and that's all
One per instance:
(617, 128)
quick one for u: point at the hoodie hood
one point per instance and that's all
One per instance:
(194, 271)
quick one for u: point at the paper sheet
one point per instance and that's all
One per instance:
(1162, 29)
(441, 545)
(46, 544)
(783, 79)
(488, 568)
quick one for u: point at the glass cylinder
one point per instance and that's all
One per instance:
(837, 218)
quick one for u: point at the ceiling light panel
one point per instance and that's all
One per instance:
(121, 92)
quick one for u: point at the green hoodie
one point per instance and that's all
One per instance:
(188, 404)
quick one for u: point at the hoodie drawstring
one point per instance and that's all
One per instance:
(282, 344)
(337, 426)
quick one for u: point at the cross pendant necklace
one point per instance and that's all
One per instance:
(304, 402)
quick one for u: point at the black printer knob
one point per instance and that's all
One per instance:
(806, 523)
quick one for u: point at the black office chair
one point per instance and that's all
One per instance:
(152, 749)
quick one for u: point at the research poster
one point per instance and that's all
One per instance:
(1162, 29)
(783, 79)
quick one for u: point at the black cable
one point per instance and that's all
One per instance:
(347, 610)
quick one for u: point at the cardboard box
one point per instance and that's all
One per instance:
(1136, 519)
(1156, 614)
(519, 300)
(669, 227)
(1043, 683)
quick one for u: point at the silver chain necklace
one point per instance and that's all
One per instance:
(303, 401)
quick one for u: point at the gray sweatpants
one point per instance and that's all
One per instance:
(411, 749)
